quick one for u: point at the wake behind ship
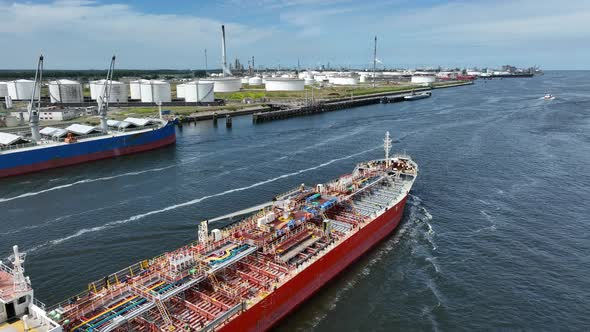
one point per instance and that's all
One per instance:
(245, 277)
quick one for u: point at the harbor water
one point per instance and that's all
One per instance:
(495, 234)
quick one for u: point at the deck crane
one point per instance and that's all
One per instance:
(103, 99)
(35, 105)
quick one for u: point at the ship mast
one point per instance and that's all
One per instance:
(34, 111)
(387, 147)
(18, 271)
(103, 104)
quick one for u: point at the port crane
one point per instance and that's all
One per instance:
(103, 100)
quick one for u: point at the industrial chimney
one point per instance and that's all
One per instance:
(223, 55)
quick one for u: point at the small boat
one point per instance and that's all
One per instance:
(549, 97)
(418, 96)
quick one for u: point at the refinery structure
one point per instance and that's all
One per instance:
(64, 99)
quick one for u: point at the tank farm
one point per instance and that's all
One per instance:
(248, 276)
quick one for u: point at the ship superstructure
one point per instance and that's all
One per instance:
(19, 310)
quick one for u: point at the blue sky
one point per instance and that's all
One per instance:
(78, 34)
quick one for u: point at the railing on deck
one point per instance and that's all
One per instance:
(226, 315)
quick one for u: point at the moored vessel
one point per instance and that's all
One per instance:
(52, 147)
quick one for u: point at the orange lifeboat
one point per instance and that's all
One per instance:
(70, 138)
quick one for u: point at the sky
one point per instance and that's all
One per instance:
(157, 34)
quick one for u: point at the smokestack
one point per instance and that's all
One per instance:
(223, 55)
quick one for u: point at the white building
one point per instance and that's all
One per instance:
(50, 115)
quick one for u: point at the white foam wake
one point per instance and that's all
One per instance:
(191, 202)
(63, 186)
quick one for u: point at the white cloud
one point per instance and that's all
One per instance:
(84, 32)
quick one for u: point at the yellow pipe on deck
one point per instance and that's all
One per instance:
(113, 308)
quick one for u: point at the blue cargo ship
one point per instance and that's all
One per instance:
(77, 143)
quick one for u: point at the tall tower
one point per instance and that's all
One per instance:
(374, 61)
(225, 70)
(387, 147)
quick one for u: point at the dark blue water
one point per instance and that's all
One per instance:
(496, 233)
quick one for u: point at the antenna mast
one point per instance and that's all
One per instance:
(35, 106)
(103, 103)
(18, 271)
(387, 147)
(205, 63)
(374, 61)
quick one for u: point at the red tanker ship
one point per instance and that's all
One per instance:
(250, 275)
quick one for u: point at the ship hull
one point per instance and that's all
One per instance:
(29, 161)
(269, 311)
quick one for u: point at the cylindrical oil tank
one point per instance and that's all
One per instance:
(155, 91)
(22, 89)
(118, 91)
(135, 89)
(225, 84)
(180, 88)
(320, 78)
(11, 121)
(305, 74)
(344, 80)
(421, 79)
(244, 80)
(363, 79)
(65, 91)
(255, 81)
(199, 91)
(308, 81)
(3, 89)
(284, 84)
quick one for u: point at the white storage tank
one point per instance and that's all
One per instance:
(245, 80)
(284, 84)
(363, 79)
(320, 78)
(216, 233)
(423, 79)
(118, 93)
(180, 88)
(344, 80)
(155, 91)
(65, 91)
(199, 91)
(305, 74)
(3, 89)
(22, 89)
(135, 89)
(225, 84)
(255, 81)
(308, 81)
